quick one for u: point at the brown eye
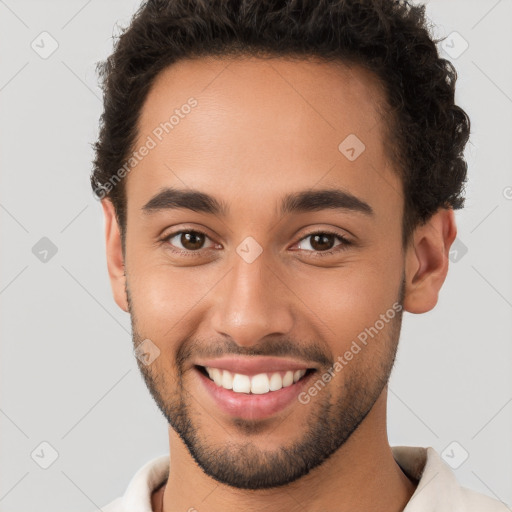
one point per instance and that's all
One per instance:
(186, 241)
(323, 242)
(192, 240)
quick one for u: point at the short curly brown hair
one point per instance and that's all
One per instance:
(427, 131)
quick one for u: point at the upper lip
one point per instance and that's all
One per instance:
(255, 364)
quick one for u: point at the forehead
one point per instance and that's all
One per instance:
(261, 124)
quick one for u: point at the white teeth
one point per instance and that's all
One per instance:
(298, 374)
(288, 379)
(257, 384)
(227, 380)
(241, 383)
(260, 384)
(216, 375)
(276, 382)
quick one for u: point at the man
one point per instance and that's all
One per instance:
(279, 181)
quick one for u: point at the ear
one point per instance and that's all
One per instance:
(115, 259)
(426, 261)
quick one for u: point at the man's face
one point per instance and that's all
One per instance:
(257, 282)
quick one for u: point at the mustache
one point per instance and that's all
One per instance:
(282, 347)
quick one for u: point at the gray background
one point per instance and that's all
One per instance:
(68, 375)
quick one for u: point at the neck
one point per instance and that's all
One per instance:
(360, 474)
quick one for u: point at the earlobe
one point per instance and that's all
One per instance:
(426, 261)
(115, 258)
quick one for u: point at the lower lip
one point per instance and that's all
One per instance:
(250, 406)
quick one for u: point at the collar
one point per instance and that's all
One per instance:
(437, 490)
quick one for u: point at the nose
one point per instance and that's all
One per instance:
(252, 302)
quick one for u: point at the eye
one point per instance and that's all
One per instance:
(187, 241)
(322, 243)
(192, 241)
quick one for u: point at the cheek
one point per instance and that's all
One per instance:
(346, 301)
(164, 297)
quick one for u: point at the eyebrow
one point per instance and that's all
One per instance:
(297, 202)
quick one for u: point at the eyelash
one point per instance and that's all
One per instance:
(338, 248)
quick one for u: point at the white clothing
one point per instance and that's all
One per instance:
(437, 490)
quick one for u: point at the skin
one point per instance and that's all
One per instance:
(263, 129)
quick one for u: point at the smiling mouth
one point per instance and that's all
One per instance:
(259, 384)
